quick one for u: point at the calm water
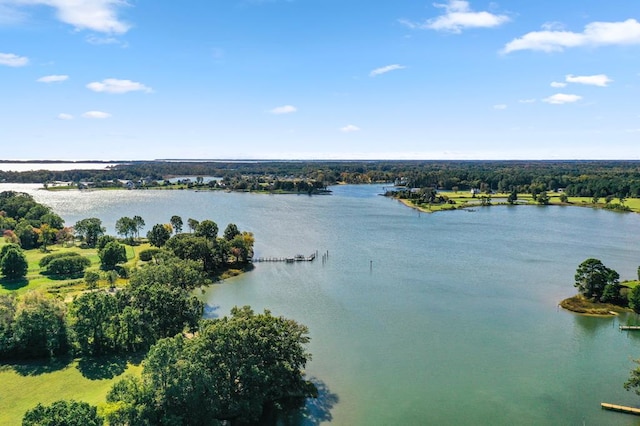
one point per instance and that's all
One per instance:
(417, 319)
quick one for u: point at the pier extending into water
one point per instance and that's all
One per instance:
(620, 408)
(296, 258)
(630, 327)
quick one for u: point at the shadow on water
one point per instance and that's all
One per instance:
(305, 412)
(318, 410)
(591, 325)
(13, 284)
(107, 367)
(38, 367)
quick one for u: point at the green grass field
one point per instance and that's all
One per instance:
(27, 384)
(463, 199)
(24, 385)
(64, 287)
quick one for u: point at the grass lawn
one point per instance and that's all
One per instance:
(67, 286)
(27, 384)
(463, 199)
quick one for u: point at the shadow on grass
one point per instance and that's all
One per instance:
(108, 366)
(60, 277)
(16, 284)
(38, 367)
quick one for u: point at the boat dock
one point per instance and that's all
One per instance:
(296, 258)
(620, 408)
(630, 327)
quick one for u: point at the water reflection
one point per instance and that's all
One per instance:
(592, 325)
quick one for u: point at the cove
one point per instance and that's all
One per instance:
(449, 318)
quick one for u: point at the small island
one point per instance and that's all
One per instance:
(600, 291)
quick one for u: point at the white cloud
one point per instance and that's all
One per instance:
(458, 16)
(97, 40)
(593, 80)
(562, 98)
(64, 116)
(95, 15)
(52, 78)
(285, 109)
(349, 128)
(96, 114)
(500, 106)
(527, 101)
(113, 85)
(386, 69)
(594, 34)
(13, 60)
(558, 84)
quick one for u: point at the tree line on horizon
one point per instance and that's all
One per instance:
(594, 178)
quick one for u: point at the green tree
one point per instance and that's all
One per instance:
(93, 319)
(90, 230)
(103, 240)
(634, 299)
(39, 328)
(139, 224)
(191, 247)
(592, 277)
(91, 278)
(46, 235)
(543, 198)
(63, 413)
(230, 371)
(68, 266)
(158, 235)
(176, 222)
(207, 229)
(127, 227)
(112, 254)
(192, 224)
(231, 231)
(513, 197)
(27, 235)
(13, 264)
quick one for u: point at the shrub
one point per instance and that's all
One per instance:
(68, 266)
(49, 258)
(147, 255)
(91, 278)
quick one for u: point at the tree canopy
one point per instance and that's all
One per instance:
(229, 370)
(592, 277)
(63, 413)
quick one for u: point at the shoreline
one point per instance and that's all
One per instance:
(580, 306)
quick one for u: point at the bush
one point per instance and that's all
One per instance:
(91, 278)
(147, 255)
(68, 266)
(49, 258)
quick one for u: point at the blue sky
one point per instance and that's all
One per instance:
(319, 79)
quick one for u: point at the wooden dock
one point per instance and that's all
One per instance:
(620, 408)
(630, 327)
(296, 258)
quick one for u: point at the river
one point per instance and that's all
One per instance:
(446, 318)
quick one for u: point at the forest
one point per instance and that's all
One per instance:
(576, 178)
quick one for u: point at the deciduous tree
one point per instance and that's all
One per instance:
(13, 264)
(90, 230)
